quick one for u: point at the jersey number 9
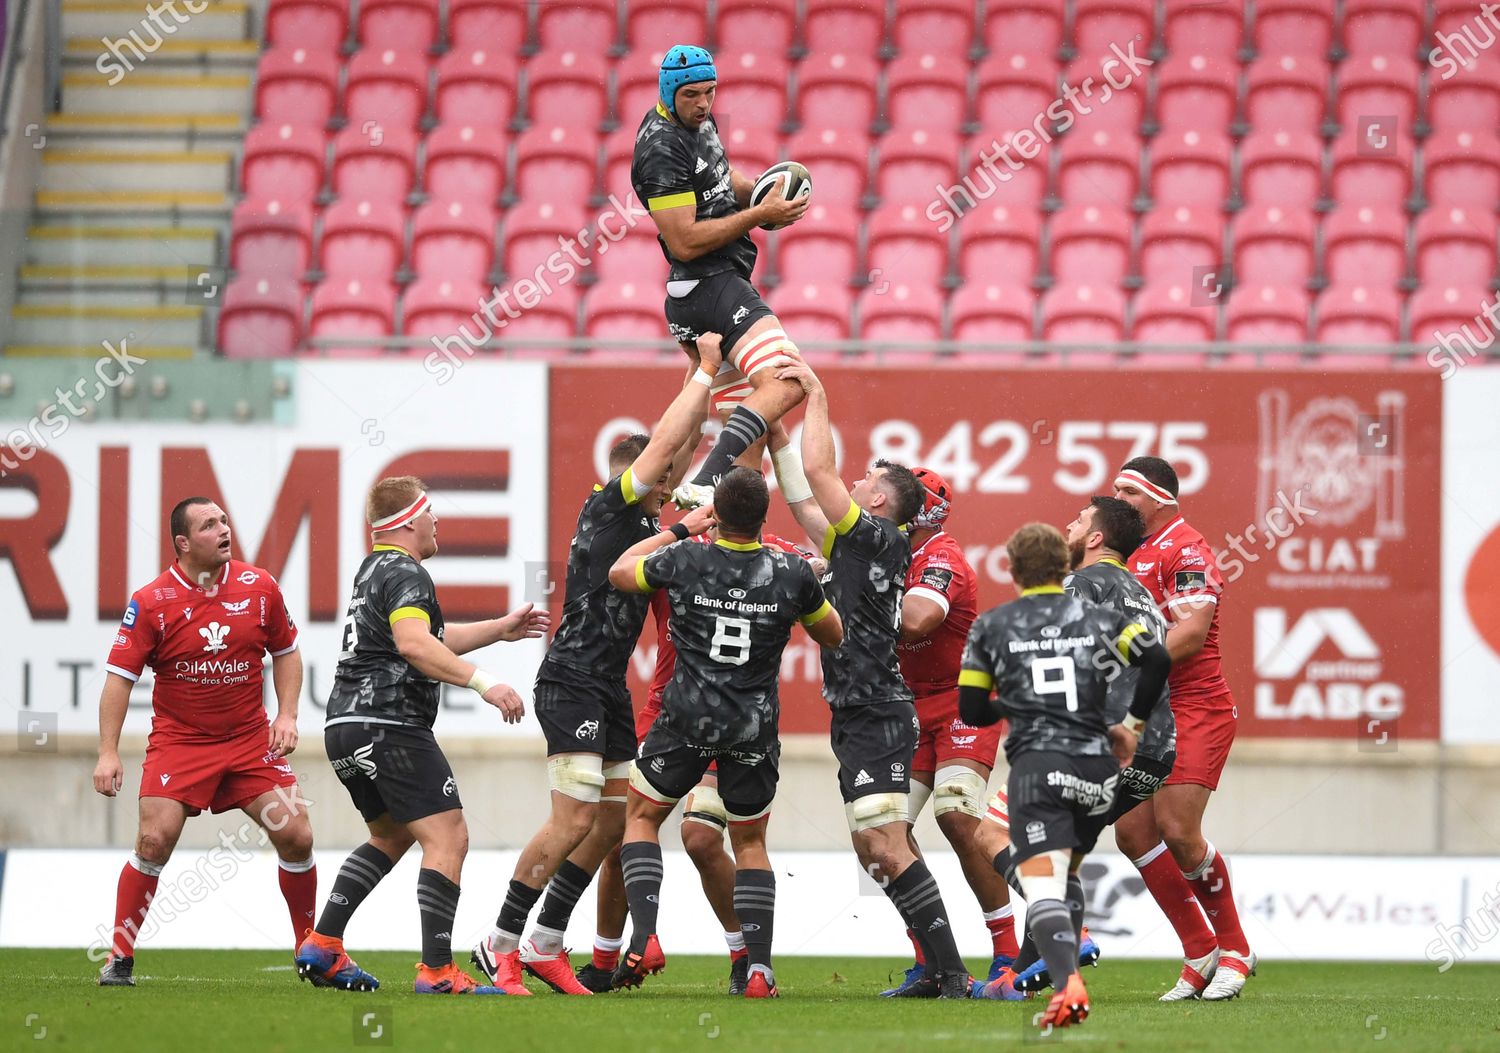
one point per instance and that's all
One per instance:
(1065, 683)
(731, 641)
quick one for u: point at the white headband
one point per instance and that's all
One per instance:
(1131, 477)
(399, 519)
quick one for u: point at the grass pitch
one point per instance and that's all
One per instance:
(229, 1000)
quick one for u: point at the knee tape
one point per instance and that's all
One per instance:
(916, 800)
(998, 811)
(707, 808)
(878, 809)
(639, 784)
(958, 789)
(1037, 887)
(620, 770)
(579, 775)
(762, 351)
(728, 391)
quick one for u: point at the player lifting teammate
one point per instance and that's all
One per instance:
(1050, 657)
(701, 209)
(733, 606)
(205, 625)
(396, 651)
(941, 602)
(583, 704)
(874, 726)
(1165, 839)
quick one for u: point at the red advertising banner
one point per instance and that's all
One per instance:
(1319, 491)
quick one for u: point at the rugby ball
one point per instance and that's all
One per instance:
(795, 182)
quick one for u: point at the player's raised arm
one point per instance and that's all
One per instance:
(526, 622)
(820, 620)
(683, 417)
(786, 461)
(628, 572)
(818, 461)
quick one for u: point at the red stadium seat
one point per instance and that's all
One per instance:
(836, 90)
(1090, 245)
(944, 26)
(771, 24)
(811, 312)
(1268, 314)
(1273, 246)
(362, 239)
(850, 26)
(556, 163)
(1453, 313)
(1190, 168)
(490, 25)
(409, 24)
(1281, 168)
(900, 313)
(1357, 314)
(619, 152)
(1012, 89)
(822, 246)
(532, 230)
(903, 246)
(1464, 97)
(1196, 28)
(296, 85)
(439, 307)
(926, 90)
(1463, 169)
(628, 311)
(752, 90)
(1100, 168)
(271, 238)
(1098, 104)
(1380, 85)
(453, 239)
(554, 318)
(352, 309)
(1196, 90)
(318, 25)
(1373, 167)
(1024, 27)
(662, 23)
(1456, 246)
(1167, 314)
(637, 86)
(1083, 314)
(752, 150)
(1287, 93)
(567, 88)
(1099, 23)
(1390, 26)
(261, 317)
(839, 161)
(590, 26)
(913, 163)
(465, 164)
(1364, 245)
(992, 314)
(283, 162)
(622, 253)
(998, 246)
(377, 166)
(1292, 27)
(476, 87)
(1179, 243)
(386, 89)
(1017, 179)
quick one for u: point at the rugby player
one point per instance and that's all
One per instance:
(1177, 566)
(941, 602)
(205, 625)
(874, 726)
(701, 207)
(1050, 657)
(582, 701)
(733, 606)
(397, 650)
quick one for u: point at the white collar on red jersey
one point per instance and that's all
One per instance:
(929, 541)
(1162, 534)
(177, 573)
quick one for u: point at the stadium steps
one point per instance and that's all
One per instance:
(90, 323)
(149, 92)
(120, 21)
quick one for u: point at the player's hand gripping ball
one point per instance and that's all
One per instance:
(795, 182)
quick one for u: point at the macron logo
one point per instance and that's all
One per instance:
(164, 779)
(214, 633)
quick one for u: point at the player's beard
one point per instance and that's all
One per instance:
(1075, 554)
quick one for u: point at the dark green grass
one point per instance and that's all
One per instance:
(227, 1000)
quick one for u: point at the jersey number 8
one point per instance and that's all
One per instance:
(734, 634)
(1065, 684)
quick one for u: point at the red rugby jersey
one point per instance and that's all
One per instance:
(1179, 569)
(940, 573)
